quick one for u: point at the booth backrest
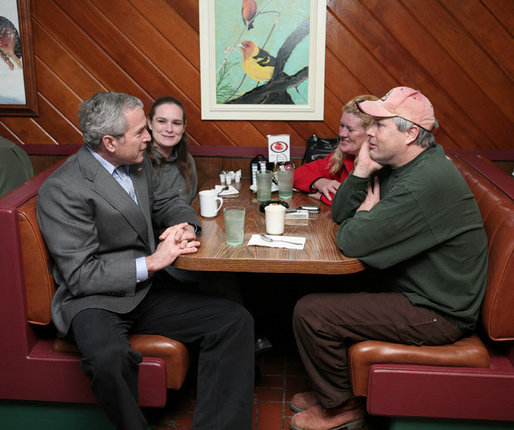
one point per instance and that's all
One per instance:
(497, 210)
(37, 265)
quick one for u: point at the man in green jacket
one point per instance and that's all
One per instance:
(407, 212)
(15, 166)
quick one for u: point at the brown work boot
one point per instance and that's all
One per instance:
(317, 418)
(303, 401)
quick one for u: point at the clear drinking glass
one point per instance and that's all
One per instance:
(285, 183)
(234, 217)
(264, 185)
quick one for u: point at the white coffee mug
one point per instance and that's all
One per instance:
(275, 218)
(209, 200)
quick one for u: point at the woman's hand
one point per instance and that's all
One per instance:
(326, 187)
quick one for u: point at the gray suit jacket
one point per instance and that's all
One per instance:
(95, 231)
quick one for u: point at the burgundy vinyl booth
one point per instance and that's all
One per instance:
(474, 377)
(33, 365)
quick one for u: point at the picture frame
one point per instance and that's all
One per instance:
(18, 93)
(239, 81)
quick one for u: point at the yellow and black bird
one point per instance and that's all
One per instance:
(248, 11)
(258, 64)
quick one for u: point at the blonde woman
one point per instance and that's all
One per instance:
(321, 178)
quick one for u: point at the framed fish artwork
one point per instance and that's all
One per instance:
(17, 76)
(262, 59)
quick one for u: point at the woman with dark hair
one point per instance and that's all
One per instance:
(176, 167)
(168, 148)
(322, 177)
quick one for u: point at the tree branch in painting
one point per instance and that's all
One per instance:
(275, 90)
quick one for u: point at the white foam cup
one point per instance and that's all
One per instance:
(275, 218)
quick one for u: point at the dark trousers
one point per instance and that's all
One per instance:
(223, 331)
(326, 324)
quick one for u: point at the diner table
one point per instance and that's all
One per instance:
(320, 254)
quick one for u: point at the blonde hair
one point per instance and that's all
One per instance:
(338, 157)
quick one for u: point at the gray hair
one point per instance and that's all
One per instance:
(104, 114)
(425, 137)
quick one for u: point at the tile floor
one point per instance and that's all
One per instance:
(282, 375)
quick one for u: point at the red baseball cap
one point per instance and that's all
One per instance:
(404, 102)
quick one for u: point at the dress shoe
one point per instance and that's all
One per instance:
(303, 401)
(317, 418)
(262, 344)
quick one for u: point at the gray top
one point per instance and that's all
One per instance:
(170, 176)
(95, 232)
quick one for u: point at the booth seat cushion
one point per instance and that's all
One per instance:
(174, 353)
(466, 352)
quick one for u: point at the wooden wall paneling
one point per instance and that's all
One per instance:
(42, 162)
(377, 36)
(334, 111)
(188, 10)
(356, 57)
(461, 54)
(343, 41)
(379, 30)
(143, 57)
(306, 129)
(203, 132)
(83, 44)
(479, 70)
(241, 133)
(30, 132)
(276, 127)
(57, 92)
(455, 95)
(177, 29)
(9, 134)
(63, 64)
(503, 11)
(340, 80)
(487, 31)
(122, 61)
(55, 124)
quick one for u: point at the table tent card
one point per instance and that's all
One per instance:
(279, 148)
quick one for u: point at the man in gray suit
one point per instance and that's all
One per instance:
(97, 213)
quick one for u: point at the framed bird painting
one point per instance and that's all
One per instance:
(17, 76)
(262, 59)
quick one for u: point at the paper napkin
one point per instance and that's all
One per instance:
(257, 240)
(274, 187)
(231, 190)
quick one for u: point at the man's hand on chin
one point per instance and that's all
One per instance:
(365, 166)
